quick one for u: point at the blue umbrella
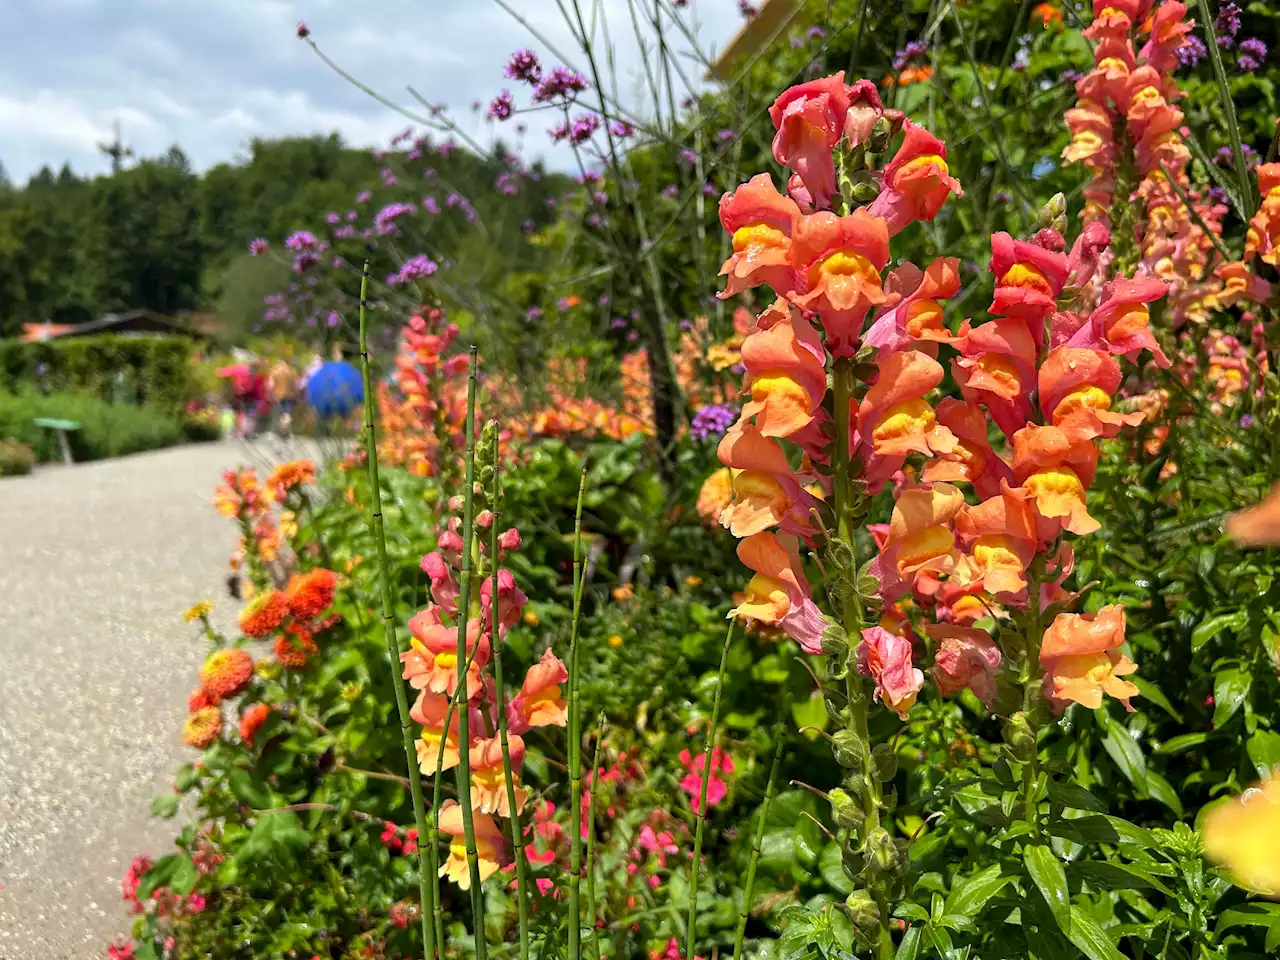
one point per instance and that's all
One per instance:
(335, 389)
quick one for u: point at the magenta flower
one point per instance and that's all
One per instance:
(258, 246)
(524, 66)
(501, 107)
(560, 82)
(721, 762)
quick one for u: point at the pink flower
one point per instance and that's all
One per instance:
(886, 658)
(966, 657)
(865, 109)
(195, 903)
(721, 762)
(511, 600)
(809, 118)
(444, 588)
(509, 540)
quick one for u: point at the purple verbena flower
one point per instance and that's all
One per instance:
(333, 319)
(500, 107)
(559, 132)
(304, 261)
(303, 30)
(301, 240)
(1227, 24)
(748, 9)
(621, 128)
(258, 246)
(560, 82)
(1246, 421)
(523, 66)
(671, 191)
(331, 217)
(584, 127)
(385, 220)
(1192, 51)
(533, 313)
(415, 268)
(363, 196)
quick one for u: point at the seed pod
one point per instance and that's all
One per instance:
(1020, 737)
(862, 910)
(845, 810)
(850, 751)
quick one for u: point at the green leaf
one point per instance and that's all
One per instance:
(1183, 742)
(1073, 795)
(1230, 687)
(184, 877)
(1160, 789)
(1124, 750)
(1210, 628)
(970, 894)
(1046, 871)
(175, 871)
(1249, 915)
(186, 777)
(274, 836)
(1264, 750)
(1109, 875)
(831, 867)
(1092, 940)
(1154, 694)
(909, 946)
(165, 805)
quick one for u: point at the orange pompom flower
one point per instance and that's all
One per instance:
(839, 260)
(716, 494)
(264, 613)
(199, 699)
(488, 779)
(1080, 659)
(202, 727)
(289, 475)
(226, 672)
(295, 647)
(539, 702)
(966, 657)
(760, 221)
(766, 493)
(785, 372)
(1243, 836)
(251, 720)
(488, 839)
(311, 594)
(1056, 473)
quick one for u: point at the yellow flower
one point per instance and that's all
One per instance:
(351, 691)
(615, 641)
(1243, 836)
(531, 618)
(624, 592)
(198, 612)
(692, 581)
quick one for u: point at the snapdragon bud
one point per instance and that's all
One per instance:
(862, 910)
(845, 810)
(1020, 737)
(850, 751)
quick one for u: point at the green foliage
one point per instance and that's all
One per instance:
(15, 458)
(106, 429)
(152, 369)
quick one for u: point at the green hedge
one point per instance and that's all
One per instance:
(153, 369)
(106, 429)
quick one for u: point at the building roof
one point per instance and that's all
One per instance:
(130, 321)
(756, 34)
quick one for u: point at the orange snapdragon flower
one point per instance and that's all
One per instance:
(778, 594)
(886, 658)
(1029, 278)
(838, 261)
(1122, 322)
(894, 418)
(539, 702)
(1240, 283)
(1263, 237)
(488, 839)
(809, 119)
(1056, 473)
(1000, 537)
(916, 182)
(1079, 654)
(1109, 79)
(1243, 836)
(920, 538)
(488, 779)
(786, 372)
(430, 710)
(431, 662)
(766, 493)
(916, 321)
(716, 494)
(996, 368)
(972, 460)
(1112, 19)
(1076, 385)
(760, 221)
(966, 657)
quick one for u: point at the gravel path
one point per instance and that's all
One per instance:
(97, 563)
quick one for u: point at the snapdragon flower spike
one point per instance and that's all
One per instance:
(760, 221)
(488, 781)
(1122, 322)
(1169, 34)
(431, 662)
(972, 460)
(1108, 81)
(1081, 659)
(1029, 278)
(1112, 19)
(540, 702)
(915, 322)
(838, 262)
(966, 657)
(894, 418)
(809, 119)
(778, 594)
(996, 368)
(786, 373)
(916, 182)
(766, 492)
(886, 658)
(1239, 284)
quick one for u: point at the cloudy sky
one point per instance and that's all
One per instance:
(210, 75)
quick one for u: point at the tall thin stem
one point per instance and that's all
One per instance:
(708, 744)
(591, 838)
(460, 694)
(575, 737)
(748, 885)
(1247, 198)
(517, 833)
(395, 648)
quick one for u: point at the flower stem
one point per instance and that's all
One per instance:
(460, 694)
(749, 883)
(591, 837)
(707, 746)
(575, 737)
(394, 646)
(517, 834)
(1030, 679)
(1247, 198)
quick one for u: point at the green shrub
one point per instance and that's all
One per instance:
(15, 458)
(106, 429)
(149, 369)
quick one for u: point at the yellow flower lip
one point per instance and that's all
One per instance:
(903, 419)
(925, 545)
(1027, 275)
(758, 234)
(1087, 397)
(844, 263)
(917, 165)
